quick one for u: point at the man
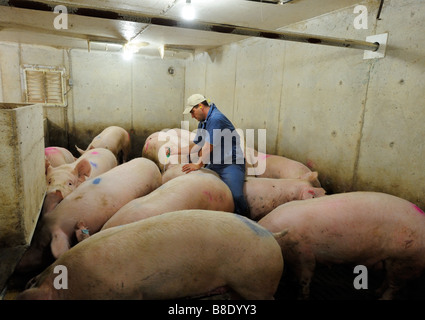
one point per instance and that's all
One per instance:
(220, 151)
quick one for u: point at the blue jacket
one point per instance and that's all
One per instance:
(219, 131)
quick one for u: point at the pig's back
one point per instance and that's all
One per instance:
(108, 192)
(368, 221)
(203, 244)
(368, 206)
(209, 193)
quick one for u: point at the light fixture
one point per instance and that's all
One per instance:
(130, 48)
(188, 12)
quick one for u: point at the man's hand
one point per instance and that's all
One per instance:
(191, 167)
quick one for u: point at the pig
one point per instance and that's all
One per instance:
(359, 228)
(265, 194)
(114, 138)
(195, 190)
(172, 139)
(88, 207)
(62, 180)
(276, 167)
(180, 254)
(177, 149)
(151, 146)
(56, 156)
(175, 170)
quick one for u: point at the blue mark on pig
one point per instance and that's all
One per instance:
(96, 181)
(93, 164)
(259, 230)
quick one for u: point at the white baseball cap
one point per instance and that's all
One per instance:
(193, 101)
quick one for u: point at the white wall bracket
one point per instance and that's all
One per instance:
(380, 53)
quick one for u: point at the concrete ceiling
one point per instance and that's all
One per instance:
(93, 24)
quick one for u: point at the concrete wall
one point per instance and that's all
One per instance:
(23, 180)
(12, 57)
(140, 95)
(358, 122)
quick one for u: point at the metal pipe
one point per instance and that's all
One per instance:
(125, 15)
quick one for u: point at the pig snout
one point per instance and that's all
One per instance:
(51, 201)
(64, 190)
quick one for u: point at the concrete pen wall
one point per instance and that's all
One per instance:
(358, 122)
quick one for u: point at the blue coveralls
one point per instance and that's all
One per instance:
(230, 163)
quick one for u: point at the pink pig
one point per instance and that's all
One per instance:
(175, 170)
(89, 206)
(265, 194)
(195, 190)
(158, 142)
(113, 138)
(175, 255)
(276, 167)
(151, 146)
(359, 228)
(56, 156)
(62, 180)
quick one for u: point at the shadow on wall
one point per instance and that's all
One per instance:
(56, 135)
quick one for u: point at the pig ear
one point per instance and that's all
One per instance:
(309, 176)
(59, 244)
(82, 231)
(312, 177)
(309, 193)
(51, 201)
(82, 169)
